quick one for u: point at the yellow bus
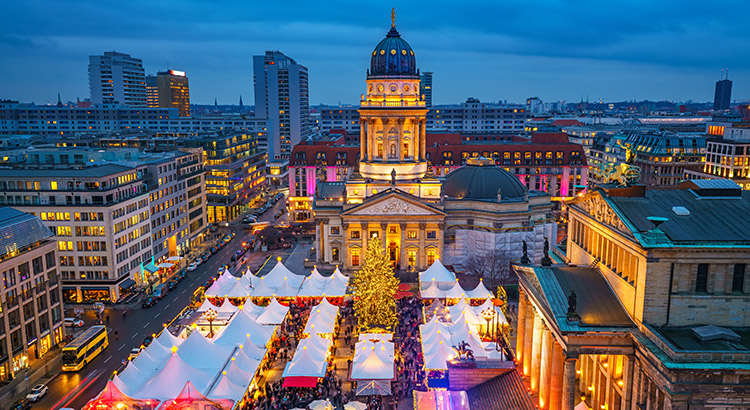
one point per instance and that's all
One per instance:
(84, 348)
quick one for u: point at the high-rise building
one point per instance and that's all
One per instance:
(117, 78)
(281, 97)
(32, 314)
(174, 91)
(426, 80)
(723, 92)
(152, 92)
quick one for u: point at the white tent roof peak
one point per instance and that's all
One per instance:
(437, 272)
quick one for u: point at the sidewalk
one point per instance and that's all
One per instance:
(40, 370)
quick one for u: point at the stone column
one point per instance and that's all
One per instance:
(422, 139)
(565, 182)
(528, 341)
(365, 238)
(536, 355)
(545, 369)
(402, 247)
(400, 123)
(383, 238)
(556, 377)
(362, 139)
(521, 325)
(421, 255)
(569, 384)
(627, 381)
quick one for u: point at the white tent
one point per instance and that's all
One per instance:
(157, 352)
(320, 323)
(239, 290)
(375, 336)
(246, 363)
(238, 329)
(340, 277)
(315, 351)
(316, 278)
(146, 362)
(251, 309)
(199, 352)
(431, 291)
(470, 316)
(437, 272)
(335, 287)
(372, 367)
(310, 289)
(248, 278)
(237, 375)
(221, 285)
(456, 309)
(437, 356)
(207, 305)
(305, 364)
(167, 339)
(286, 290)
(168, 382)
(273, 314)
(480, 292)
(455, 291)
(261, 289)
(275, 278)
(133, 376)
(251, 346)
(225, 389)
(489, 305)
(227, 307)
(319, 342)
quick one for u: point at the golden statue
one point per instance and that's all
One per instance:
(629, 152)
(393, 17)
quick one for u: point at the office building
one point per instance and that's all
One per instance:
(235, 171)
(47, 121)
(152, 92)
(117, 78)
(727, 152)
(172, 91)
(282, 99)
(472, 116)
(31, 321)
(425, 80)
(646, 312)
(723, 93)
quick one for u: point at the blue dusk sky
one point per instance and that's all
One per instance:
(491, 50)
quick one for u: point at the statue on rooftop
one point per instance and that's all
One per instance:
(393, 176)
(546, 260)
(525, 258)
(572, 303)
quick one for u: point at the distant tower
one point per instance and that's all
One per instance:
(59, 101)
(282, 98)
(241, 102)
(117, 78)
(216, 104)
(723, 92)
(425, 80)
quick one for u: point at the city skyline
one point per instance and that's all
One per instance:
(556, 52)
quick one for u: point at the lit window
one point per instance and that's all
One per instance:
(355, 257)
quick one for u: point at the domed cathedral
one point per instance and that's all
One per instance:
(392, 196)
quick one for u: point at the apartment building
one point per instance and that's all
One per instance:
(31, 318)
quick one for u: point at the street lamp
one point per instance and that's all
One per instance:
(488, 314)
(210, 315)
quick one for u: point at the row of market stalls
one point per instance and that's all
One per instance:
(280, 282)
(373, 365)
(200, 368)
(437, 282)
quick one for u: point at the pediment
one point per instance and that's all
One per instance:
(393, 204)
(598, 208)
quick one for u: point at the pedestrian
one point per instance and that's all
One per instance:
(107, 319)
(116, 335)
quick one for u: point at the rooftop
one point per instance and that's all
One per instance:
(19, 230)
(683, 338)
(89, 172)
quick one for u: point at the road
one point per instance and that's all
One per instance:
(75, 389)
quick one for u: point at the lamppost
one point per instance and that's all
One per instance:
(210, 315)
(488, 314)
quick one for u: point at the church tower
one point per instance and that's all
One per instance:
(393, 114)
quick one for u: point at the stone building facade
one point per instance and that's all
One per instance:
(659, 318)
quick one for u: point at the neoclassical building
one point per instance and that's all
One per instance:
(660, 317)
(391, 194)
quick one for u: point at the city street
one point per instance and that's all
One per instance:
(75, 389)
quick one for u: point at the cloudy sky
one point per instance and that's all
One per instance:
(492, 50)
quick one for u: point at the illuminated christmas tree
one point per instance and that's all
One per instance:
(374, 289)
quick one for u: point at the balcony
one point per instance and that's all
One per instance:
(392, 104)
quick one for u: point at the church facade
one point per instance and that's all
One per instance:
(391, 193)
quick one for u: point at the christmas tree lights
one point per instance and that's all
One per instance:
(374, 288)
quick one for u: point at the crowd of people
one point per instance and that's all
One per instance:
(409, 373)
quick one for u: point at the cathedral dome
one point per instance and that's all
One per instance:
(393, 58)
(479, 180)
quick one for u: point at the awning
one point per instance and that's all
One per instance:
(127, 284)
(173, 259)
(300, 381)
(151, 268)
(374, 388)
(165, 265)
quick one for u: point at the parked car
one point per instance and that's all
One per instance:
(147, 341)
(161, 291)
(213, 228)
(148, 301)
(193, 266)
(21, 404)
(37, 392)
(73, 322)
(172, 284)
(181, 275)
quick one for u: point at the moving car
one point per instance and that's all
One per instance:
(148, 302)
(37, 392)
(193, 266)
(21, 404)
(72, 322)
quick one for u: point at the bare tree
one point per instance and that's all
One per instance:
(492, 266)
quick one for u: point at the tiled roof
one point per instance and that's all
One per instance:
(505, 392)
(19, 229)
